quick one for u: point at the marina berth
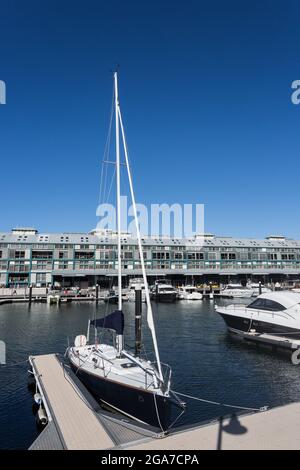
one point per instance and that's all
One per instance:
(66, 402)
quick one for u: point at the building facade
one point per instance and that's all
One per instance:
(68, 259)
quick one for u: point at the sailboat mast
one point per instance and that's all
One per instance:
(119, 337)
(118, 192)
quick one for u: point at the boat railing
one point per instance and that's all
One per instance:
(167, 374)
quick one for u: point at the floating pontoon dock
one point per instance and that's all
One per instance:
(76, 421)
(275, 429)
(265, 339)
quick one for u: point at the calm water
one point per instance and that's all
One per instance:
(192, 338)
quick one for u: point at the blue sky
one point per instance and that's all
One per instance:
(205, 91)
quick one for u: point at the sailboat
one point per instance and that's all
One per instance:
(119, 379)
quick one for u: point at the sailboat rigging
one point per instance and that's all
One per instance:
(137, 388)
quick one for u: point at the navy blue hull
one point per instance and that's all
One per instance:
(245, 324)
(139, 404)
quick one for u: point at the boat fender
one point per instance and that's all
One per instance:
(42, 417)
(80, 341)
(37, 398)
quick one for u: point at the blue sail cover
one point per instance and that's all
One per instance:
(113, 321)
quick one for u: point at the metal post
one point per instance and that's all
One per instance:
(138, 320)
(97, 292)
(259, 287)
(30, 294)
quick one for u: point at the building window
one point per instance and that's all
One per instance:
(41, 278)
(288, 256)
(160, 255)
(63, 265)
(43, 265)
(106, 255)
(42, 255)
(84, 254)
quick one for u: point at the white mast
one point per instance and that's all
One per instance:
(120, 337)
(149, 307)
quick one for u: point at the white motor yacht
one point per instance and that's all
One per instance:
(189, 293)
(272, 312)
(258, 289)
(236, 291)
(163, 291)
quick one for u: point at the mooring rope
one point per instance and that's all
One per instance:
(262, 408)
(157, 414)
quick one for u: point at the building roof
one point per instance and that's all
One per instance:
(110, 238)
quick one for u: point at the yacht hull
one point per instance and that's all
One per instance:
(172, 297)
(133, 402)
(244, 325)
(237, 295)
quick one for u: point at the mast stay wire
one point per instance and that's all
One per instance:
(103, 177)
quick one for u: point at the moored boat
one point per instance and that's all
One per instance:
(270, 313)
(118, 378)
(236, 291)
(189, 293)
(163, 291)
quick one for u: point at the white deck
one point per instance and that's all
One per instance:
(107, 365)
